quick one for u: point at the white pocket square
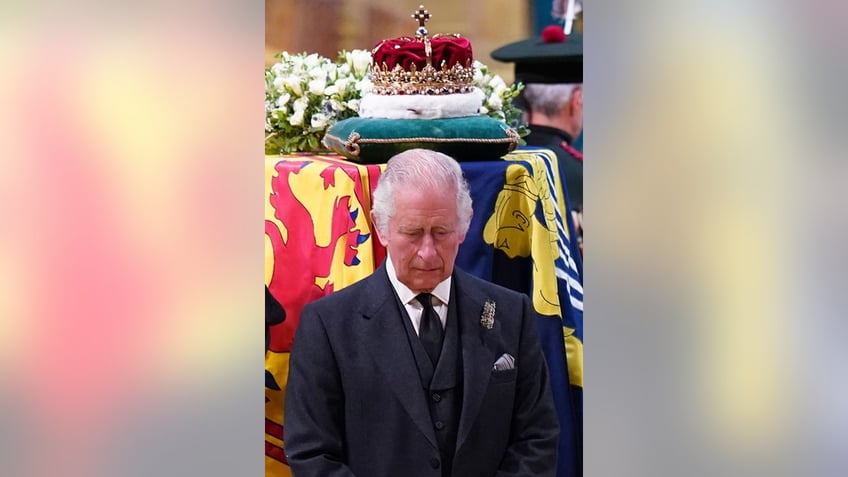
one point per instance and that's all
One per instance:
(506, 361)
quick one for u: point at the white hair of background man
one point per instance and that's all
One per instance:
(548, 98)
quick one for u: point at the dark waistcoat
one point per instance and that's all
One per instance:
(442, 386)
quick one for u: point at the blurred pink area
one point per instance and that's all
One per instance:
(128, 203)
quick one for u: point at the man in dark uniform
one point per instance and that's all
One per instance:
(551, 68)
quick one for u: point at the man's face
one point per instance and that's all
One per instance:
(423, 237)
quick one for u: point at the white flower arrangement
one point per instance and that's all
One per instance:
(306, 93)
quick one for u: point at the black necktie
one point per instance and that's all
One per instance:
(430, 329)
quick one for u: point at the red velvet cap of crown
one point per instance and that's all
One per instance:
(405, 51)
(400, 66)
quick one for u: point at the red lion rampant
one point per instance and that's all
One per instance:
(299, 261)
(301, 265)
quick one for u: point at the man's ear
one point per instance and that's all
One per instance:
(377, 230)
(577, 97)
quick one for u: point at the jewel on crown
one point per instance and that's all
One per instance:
(404, 65)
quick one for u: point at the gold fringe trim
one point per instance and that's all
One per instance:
(354, 141)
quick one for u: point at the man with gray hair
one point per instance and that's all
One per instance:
(420, 369)
(555, 115)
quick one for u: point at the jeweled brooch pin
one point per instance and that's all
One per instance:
(487, 318)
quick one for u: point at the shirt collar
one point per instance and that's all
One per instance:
(442, 290)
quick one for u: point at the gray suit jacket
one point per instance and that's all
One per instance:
(355, 404)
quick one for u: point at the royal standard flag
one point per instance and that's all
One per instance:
(520, 239)
(317, 239)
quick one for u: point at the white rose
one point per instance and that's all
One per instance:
(483, 110)
(343, 71)
(317, 73)
(317, 86)
(341, 84)
(300, 104)
(311, 61)
(333, 75)
(353, 105)
(496, 81)
(495, 102)
(319, 120)
(336, 105)
(296, 119)
(283, 100)
(292, 83)
(360, 61)
(331, 90)
(500, 89)
(364, 86)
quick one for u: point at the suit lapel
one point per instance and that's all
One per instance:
(477, 356)
(384, 330)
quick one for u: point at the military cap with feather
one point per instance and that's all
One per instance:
(552, 57)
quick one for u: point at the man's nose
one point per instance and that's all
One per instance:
(428, 247)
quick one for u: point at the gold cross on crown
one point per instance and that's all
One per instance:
(422, 16)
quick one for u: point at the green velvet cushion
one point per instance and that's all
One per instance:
(374, 140)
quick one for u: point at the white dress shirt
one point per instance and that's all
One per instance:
(414, 309)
